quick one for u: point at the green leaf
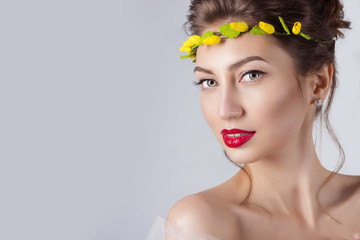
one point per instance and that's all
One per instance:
(305, 36)
(206, 35)
(228, 32)
(257, 30)
(284, 25)
(185, 56)
(194, 60)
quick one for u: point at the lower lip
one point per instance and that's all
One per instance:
(235, 142)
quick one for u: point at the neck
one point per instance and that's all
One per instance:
(287, 183)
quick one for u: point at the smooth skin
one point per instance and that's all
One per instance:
(261, 94)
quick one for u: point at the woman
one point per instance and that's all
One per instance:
(265, 68)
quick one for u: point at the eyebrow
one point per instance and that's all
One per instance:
(234, 65)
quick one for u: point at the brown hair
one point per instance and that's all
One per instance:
(321, 19)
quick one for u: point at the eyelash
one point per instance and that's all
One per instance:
(246, 73)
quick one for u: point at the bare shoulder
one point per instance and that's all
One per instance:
(205, 207)
(350, 187)
(208, 212)
(351, 205)
(357, 188)
(352, 182)
(193, 211)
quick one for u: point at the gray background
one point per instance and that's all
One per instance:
(101, 129)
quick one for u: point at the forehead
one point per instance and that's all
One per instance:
(229, 51)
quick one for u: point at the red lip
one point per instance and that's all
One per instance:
(234, 131)
(235, 142)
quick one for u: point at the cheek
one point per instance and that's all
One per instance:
(282, 110)
(209, 108)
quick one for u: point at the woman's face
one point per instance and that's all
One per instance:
(250, 84)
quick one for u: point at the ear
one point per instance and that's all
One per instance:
(321, 82)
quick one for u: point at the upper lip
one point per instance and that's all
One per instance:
(234, 131)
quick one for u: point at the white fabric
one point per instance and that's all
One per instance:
(162, 228)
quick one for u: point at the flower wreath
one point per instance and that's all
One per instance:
(233, 30)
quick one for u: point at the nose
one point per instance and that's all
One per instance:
(230, 104)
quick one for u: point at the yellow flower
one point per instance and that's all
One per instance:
(185, 49)
(296, 28)
(239, 26)
(192, 56)
(187, 43)
(194, 39)
(212, 40)
(268, 28)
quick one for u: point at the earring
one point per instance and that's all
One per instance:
(318, 102)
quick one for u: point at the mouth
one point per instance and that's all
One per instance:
(236, 137)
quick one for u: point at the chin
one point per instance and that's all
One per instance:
(241, 157)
